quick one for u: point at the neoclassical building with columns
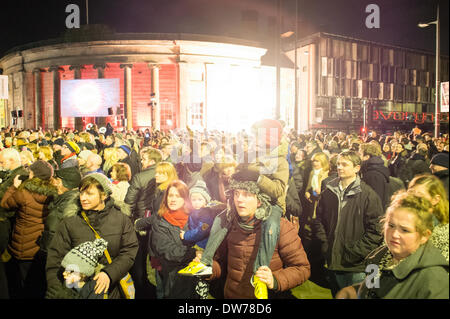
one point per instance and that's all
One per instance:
(167, 81)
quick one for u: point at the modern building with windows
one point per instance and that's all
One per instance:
(339, 75)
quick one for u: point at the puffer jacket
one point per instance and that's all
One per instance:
(113, 226)
(64, 205)
(31, 202)
(421, 275)
(348, 225)
(138, 195)
(236, 256)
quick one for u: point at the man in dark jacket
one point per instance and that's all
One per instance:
(130, 157)
(139, 197)
(439, 168)
(11, 166)
(417, 164)
(348, 223)
(373, 171)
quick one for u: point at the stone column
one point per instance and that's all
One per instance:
(77, 70)
(156, 108)
(37, 98)
(56, 96)
(100, 67)
(184, 93)
(127, 95)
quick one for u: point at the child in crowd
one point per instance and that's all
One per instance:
(80, 264)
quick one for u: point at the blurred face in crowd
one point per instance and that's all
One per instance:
(65, 150)
(160, 177)
(228, 172)
(146, 162)
(316, 164)
(198, 201)
(399, 148)
(299, 156)
(174, 200)
(5, 163)
(246, 203)
(92, 199)
(401, 235)
(109, 140)
(309, 148)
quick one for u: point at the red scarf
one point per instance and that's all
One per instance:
(177, 218)
(67, 156)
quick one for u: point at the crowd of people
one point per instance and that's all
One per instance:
(110, 214)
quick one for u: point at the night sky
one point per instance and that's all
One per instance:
(23, 21)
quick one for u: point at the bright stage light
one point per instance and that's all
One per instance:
(88, 98)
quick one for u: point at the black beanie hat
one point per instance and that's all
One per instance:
(59, 141)
(70, 176)
(440, 159)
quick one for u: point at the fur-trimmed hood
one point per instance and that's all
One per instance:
(39, 186)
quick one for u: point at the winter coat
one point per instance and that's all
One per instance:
(439, 238)
(236, 256)
(133, 161)
(5, 214)
(211, 178)
(138, 195)
(415, 165)
(31, 202)
(199, 224)
(348, 227)
(376, 175)
(65, 204)
(112, 225)
(443, 176)
(397, 165)
(173, 254)
(293, 204)
(421, 275)
(274, 177)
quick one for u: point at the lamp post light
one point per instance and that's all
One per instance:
(436, 111)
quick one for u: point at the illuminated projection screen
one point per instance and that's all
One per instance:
(89, 97)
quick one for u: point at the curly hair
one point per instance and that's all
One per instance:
(419, 206)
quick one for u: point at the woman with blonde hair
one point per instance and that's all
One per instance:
(111, 157)
(430, 187)
(45, 153)
(321, 167)
(120, 176)
(408, 265)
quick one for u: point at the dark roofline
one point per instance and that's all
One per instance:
(76, 36)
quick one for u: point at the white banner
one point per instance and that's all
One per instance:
(4, 87)
(444, 97)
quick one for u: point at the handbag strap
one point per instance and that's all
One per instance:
(86, 219)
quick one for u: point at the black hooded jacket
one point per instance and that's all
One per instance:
(376, 175)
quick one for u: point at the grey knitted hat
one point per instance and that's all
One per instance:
(200, 187)
(84, 257)
(103, 180)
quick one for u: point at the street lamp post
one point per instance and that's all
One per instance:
(436, 111)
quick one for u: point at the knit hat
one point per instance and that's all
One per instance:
(270, 131)
(239, 181)
(103, 180)
(126, 149)
(440, 159)
(200, 188)
(70, 176)
(84, 154)
(84, 257)
(72, 146)
(42, 169)
(59, 141)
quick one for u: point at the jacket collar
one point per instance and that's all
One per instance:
(352, 189)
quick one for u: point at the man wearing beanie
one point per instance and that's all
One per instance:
(69, 151)
(80, 264)
(57, 145)
(439, 167)
(67, 181)
(130, 157)
(247, 263)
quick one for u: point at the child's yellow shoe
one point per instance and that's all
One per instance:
(196, 269)
(188, 268)
(260, 288)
